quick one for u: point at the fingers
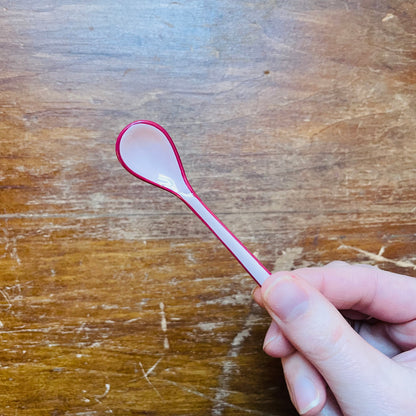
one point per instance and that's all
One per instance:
(256, 295)
(318, 331)
(384, 295)
(377, 336)
(404, 334)
(407, 358)
(275, 343)
(304, 307)
(306, 387)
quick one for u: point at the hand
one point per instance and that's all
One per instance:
(347, 338)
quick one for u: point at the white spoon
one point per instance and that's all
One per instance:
(146, 150)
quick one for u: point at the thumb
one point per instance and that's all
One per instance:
(319, 332)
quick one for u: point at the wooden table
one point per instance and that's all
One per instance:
(296, 125)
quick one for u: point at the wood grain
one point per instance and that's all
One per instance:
(296, 125)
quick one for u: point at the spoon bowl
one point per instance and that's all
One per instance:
(146, 150)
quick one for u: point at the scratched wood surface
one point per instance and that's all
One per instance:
(296, 125)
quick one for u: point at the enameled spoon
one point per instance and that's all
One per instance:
(146, 150)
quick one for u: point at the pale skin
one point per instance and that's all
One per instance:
(346, 335)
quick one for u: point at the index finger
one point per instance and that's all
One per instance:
(387, 296)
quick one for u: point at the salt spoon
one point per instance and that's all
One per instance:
(146, 150)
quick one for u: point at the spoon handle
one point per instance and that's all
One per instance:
(252, 265)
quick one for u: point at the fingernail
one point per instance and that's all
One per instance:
(286, 299)
(272, 335)
(268, 341)
(304, 394)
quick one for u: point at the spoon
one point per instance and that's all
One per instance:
(146, 150)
